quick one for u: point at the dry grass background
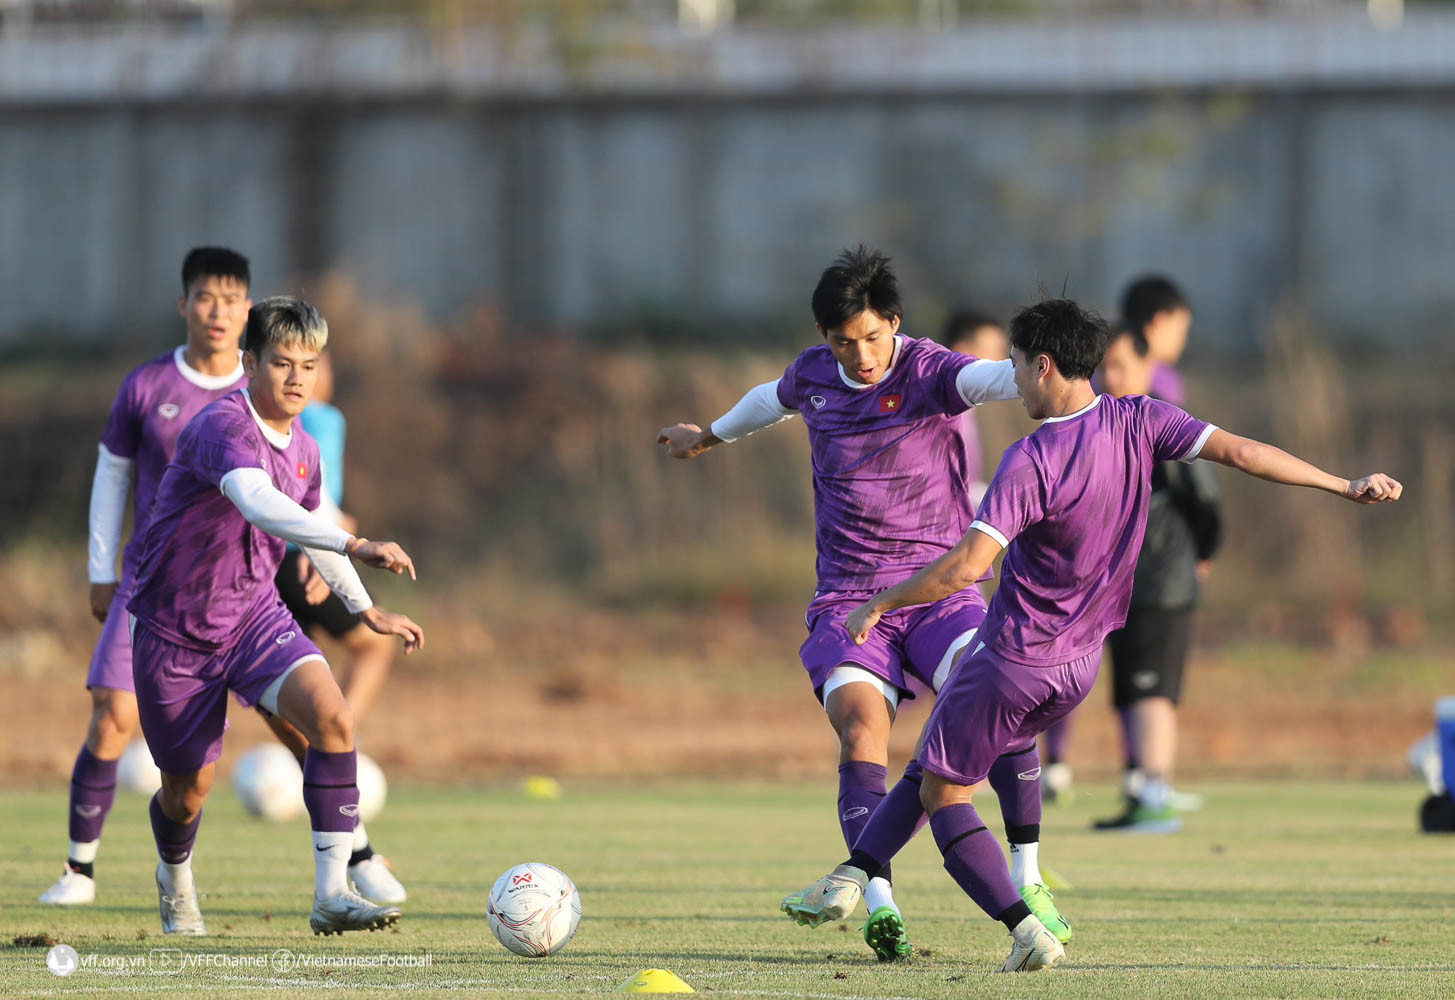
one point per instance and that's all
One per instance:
(595, 608)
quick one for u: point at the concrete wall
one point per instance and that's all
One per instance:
(596, 201)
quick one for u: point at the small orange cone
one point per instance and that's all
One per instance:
(655, 981)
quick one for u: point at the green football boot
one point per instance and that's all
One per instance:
(1043, 905)
(1139, 817)
(884, 932)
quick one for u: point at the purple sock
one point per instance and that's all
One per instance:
(974, 861)
(93, 789)
(1129, 736)
(330, 790)
(174, 840)
(899, 817)
(1057, 737)
(1016, 778)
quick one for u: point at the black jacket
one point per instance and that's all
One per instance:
(1184, 527)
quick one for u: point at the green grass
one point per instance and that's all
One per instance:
(1275, 890)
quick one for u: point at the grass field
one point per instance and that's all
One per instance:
(1275, 890)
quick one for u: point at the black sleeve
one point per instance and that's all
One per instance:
(1202, 502)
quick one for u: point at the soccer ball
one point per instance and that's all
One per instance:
(136, 771)
(534, 909)
(373, 789)
(269, 782)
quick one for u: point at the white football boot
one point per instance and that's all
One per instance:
(1032, 947)
(71, 889)
(833, 897)
(373, 879)
(348, 911)
(178, 904)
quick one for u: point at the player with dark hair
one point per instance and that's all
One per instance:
(893, 462)
(1155, 310)
(1069, 505)
(207, 617)
(1149, 652)
(155, 402)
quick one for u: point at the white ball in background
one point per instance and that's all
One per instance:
(137, 772)
(373, 789)
(269, 782)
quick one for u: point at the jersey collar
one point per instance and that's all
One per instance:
(202, 381)
(276, 439)
(1072, 416)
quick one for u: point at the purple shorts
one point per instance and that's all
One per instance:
(111, 663)
(992, 705)
(919, 642)
(181, 693)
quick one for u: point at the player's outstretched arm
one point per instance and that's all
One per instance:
(760, 407)
(951, 573)
(389, 623)
(1278, 466)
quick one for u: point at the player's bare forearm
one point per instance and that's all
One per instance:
(951, 573)
(687, 440)
(1277, 466)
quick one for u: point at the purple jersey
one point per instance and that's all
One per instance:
(206, 570)
(892, 462)
(154, 403)
(1167, 384)
(1070, 500)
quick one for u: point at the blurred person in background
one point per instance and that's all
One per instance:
(154, 403)
(1149, 652)
(970, 331)
(893, 463)
(315, 607)
(1155, 307)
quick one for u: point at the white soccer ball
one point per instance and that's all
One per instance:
(136, 771)
(269, 782)
(534, 910)
(373, 789)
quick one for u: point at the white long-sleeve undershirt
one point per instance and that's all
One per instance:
(759, 408)
(109, 489)
(981, 381)
(264, 505)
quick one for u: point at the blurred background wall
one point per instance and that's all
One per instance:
(596, 170)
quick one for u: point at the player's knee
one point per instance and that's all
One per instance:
(935, 793)
(113, 721)
(860, 739)
(183, 795)
(335, 727)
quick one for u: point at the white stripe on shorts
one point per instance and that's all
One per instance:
(269, 700)
(840, 676)
(947, 662)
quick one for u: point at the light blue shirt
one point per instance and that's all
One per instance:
(326, 425)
